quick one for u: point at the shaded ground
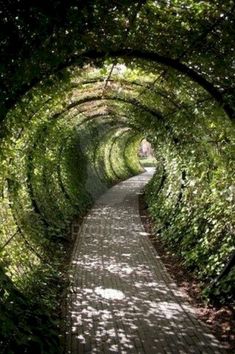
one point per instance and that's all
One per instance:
(219, 318)
(121, 298)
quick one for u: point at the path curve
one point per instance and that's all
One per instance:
(121, 298)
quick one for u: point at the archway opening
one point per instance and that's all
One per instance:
(146, 154)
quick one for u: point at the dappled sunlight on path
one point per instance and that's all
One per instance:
(121, 298)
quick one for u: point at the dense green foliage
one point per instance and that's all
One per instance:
(82, 82)
(55, 163)
(191, 199)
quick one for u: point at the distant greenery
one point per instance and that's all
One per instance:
(148, 161)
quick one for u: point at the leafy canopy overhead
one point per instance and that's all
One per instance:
(38, 38)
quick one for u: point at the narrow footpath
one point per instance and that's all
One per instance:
(121, 298)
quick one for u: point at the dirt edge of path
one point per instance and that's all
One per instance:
(220, 318)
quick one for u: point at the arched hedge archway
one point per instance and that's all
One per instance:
(77, 97)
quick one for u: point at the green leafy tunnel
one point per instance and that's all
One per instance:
(82, 84)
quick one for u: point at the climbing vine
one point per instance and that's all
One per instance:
(81, 85)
